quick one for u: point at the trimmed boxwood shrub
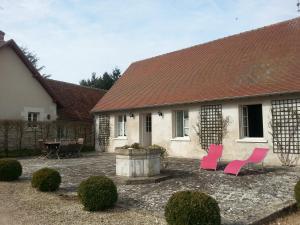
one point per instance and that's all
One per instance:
(10, 169)
(46, 179)
(297, 193)
(192, 208)
(97, 193)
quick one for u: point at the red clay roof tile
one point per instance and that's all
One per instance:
(76, 101)
(259, 62)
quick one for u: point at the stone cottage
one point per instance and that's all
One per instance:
(176, 99)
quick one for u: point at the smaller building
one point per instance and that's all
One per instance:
(24, 95)
(73, 113)
(33, 108)
(181, 100)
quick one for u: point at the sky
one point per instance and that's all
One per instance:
(74, 38)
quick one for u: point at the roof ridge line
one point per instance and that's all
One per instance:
(77, 85)
(35, 73)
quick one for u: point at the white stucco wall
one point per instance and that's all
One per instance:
(20, 92)
(234, 147)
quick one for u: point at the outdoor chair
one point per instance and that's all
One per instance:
(210, 161)
(258, 155)
(67, 141)
(64, 141)
(71, 148)
(80, 141)
(42, 147)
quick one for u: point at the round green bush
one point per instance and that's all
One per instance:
(46, 179)
(97, 193)
(297, 193)
(10, 169)
(192, 208)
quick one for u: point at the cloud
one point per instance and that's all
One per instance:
(75, 38)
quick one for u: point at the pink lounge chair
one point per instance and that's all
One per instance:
(258, 155)
(210, 161)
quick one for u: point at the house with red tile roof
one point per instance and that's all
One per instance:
(26, 95)
(180, 100)
(73, 112)
(76, 101)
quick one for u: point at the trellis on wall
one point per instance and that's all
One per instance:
(210, 126)
(286, 126)
(104, 131)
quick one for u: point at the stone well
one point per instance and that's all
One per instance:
(137, 162)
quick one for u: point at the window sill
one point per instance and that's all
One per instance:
(252, 140)
(120, 138)
(181, 139)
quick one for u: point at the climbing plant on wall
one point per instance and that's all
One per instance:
(285, 130)
(211, 127)
(104, 131)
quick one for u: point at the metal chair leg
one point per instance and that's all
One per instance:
(57, 154)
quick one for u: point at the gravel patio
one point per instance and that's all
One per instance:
(243, 199)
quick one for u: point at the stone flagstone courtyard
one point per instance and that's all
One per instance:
(243, 199)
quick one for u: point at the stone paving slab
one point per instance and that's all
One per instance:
(242, 199)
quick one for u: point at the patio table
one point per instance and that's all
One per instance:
(52, 148)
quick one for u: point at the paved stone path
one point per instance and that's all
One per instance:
(242, 199)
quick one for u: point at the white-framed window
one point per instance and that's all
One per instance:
(121, 126)
(181, 123)
(251, 121)
(33, 118)
(148, 123)
(245, 122)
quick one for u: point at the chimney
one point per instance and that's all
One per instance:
(2, 34)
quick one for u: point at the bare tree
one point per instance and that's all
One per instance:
(34, 59)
